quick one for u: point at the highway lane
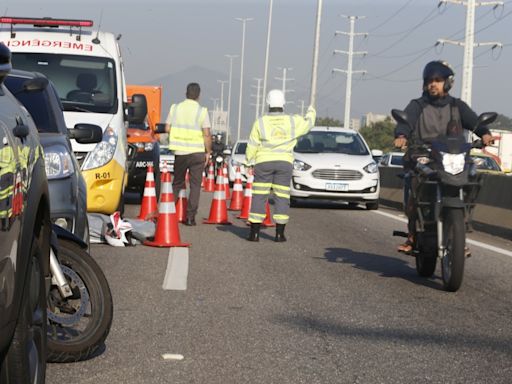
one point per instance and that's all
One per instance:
(335, 304)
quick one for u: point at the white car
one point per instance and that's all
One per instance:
(392, 159)
(335, 164)
(166, 158)
(237, 159)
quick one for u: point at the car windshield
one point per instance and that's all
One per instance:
(240, 149)
(84, 83)
(331, 142)
(486, 163)
(397, 160)
(36, 103)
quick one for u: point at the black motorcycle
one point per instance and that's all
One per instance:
(80, 307)
(447, 187)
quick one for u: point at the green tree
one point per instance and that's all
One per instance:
(502, 122)
(380, 135)
(327, 122)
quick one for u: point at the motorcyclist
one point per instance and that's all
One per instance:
(434, 113)
(218, 145)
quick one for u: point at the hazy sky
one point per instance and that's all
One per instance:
(161, 38)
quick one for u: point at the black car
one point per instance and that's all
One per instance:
(24, 241)
(68, 191)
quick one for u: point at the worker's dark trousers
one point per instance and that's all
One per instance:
(195, 165)
(275, 175)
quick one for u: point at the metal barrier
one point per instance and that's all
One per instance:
(493, 213)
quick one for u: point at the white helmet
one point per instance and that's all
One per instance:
(117, 232)
(275, 99)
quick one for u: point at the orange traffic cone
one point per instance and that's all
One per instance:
(149, 204)
(167, 232)
(218, 209)
(268, 219)
(226, 181)
(209, 186)
(238, 193)
(246, 206)
(181, 206)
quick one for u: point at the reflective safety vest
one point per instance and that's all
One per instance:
(273, 136)
(186, 133)
(7, 170)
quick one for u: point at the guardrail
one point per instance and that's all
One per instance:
(493, 213)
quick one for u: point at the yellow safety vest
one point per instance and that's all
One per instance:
(186, 133)
(273, 136)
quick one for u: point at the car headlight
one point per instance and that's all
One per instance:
(57, 162)
(371, 168)
(300, 165)
(103, 152)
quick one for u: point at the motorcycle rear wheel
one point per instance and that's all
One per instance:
(454, 240)
(78, 325)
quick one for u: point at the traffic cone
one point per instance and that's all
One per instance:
(226, 181)
(209, 186)
(167, 232)
(149, 204)
(238, 193)
(246, 206)
(268, 219)
(181, 206)
(218, 209)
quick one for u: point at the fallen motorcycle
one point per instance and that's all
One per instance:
(80, 307)
(447, 188)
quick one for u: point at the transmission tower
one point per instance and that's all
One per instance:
(469, 43)
(349, 71)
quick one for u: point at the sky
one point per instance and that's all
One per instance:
(173, 42)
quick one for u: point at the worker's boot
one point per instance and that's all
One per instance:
(254, 235)
(280, 233)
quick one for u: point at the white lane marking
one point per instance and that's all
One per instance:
(176, 273)
(472, 242)
(172, 356)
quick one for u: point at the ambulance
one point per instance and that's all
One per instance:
(86, 67)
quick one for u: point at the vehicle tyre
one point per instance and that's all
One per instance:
(372, 206)
(25, 362)
(78, 325)
(120, 206)
(426, 264)
(454, 240)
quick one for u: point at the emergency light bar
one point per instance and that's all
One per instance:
(46, 22)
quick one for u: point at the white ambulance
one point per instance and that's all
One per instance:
(87, 69)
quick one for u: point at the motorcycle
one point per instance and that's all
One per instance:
(220, 159)
(447, 188)
(80, 307)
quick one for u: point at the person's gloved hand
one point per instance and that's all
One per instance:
(487, 140)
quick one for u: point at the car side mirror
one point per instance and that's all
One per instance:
(137, 109)
(226, 152)
(160, 128)
(86, 133)
(400, 117)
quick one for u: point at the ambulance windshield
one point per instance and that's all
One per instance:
(84, 83)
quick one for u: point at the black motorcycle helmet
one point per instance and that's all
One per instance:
(439, 68)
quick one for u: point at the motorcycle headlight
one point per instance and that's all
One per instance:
(453, 163)
(103, 152)
(219, 159)
(371, 168)
(300, 165)
(58, 163)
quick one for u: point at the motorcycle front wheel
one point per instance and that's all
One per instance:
(454, 240)
(78, 325)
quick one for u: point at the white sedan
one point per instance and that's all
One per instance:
(335, 164)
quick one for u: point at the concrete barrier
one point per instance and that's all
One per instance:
(493, 213)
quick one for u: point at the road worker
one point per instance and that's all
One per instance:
(190, 139)
(270, 149)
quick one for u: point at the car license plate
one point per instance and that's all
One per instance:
(338, 187)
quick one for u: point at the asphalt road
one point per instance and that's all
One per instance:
(334, 304)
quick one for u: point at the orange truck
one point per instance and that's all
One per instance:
(142, 135)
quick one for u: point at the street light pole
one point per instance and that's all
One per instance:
(244, 22)
(269, 27)
(230, 57)
(316, 46)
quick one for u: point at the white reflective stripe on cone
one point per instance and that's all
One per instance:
(219, 195)
(237, 187)
(150, 176)
(166, 188)
(149, 192)
(166, 207)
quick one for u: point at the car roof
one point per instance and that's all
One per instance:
(333, 129)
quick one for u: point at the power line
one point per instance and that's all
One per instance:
(392, 16)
